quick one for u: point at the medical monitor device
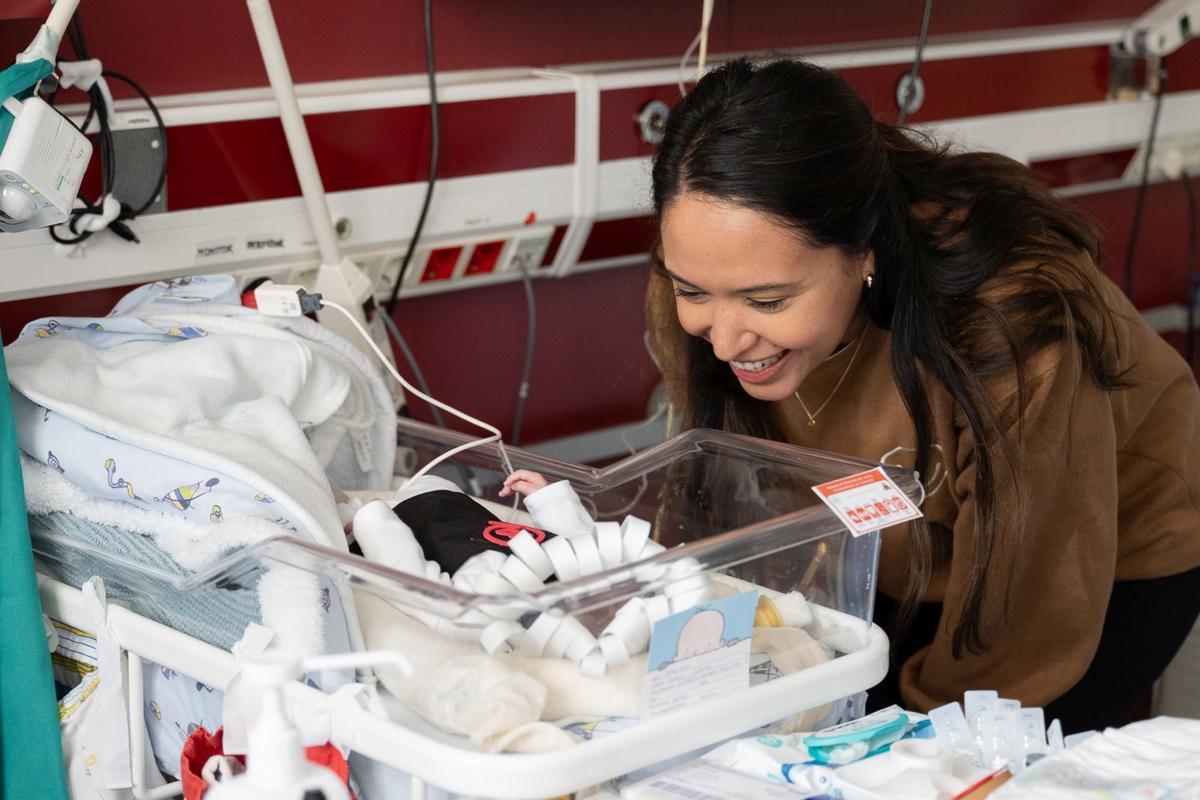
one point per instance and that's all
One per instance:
(41, 166)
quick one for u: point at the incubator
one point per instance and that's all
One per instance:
(740, 511)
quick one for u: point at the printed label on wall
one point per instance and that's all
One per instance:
(215, 250)
(265, 243)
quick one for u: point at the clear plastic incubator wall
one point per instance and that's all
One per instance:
(525, 693)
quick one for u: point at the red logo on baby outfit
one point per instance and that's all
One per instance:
(500, 532)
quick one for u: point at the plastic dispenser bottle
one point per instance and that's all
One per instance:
(276, 767)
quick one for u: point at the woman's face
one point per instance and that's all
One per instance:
(771, 306)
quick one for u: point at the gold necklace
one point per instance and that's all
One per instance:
(812, 415)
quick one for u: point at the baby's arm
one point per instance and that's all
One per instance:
(554, 507)
(524, 482)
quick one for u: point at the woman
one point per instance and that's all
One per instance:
(829, 280)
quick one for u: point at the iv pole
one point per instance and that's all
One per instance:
(338, 278)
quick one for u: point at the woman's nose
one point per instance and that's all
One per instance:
(729, 337)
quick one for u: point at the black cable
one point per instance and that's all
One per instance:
(527, 368)
(398, 338)
(1193, 279)
(915, 72)
(1141, 195)
(98, 108)
(435, 147)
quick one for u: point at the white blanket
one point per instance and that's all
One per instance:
(237, 399)
(181, 370)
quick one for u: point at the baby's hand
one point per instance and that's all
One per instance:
(524, 482)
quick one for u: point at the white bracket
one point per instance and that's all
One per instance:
(586, 169)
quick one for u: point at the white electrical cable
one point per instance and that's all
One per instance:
(495, 437)
(701, 41)
(705, 19)
(687, 54)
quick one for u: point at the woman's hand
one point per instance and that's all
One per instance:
(524, 482)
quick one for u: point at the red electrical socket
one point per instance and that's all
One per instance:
(441, 263)
(484, 257)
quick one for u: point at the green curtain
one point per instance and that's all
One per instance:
(18, 81)
(31, 764)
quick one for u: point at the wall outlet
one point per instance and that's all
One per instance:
(527, 251)
(279, 273)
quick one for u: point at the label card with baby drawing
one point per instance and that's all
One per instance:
(699, 653)
(868, 501)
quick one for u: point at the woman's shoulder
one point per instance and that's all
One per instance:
(1054, 317)
(1043, 297)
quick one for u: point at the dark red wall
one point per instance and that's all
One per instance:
(209, 45)
(590, 368)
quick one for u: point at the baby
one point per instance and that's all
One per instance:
(434, 530)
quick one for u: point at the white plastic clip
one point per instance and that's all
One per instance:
(85, 75)
(109, 211)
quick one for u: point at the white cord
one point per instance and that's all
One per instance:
(705, 19)
(687, 54)
(495, 437)
(700, 41)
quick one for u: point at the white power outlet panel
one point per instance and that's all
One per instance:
(527, 251)
(524, 246)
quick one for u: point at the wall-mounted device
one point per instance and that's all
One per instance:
(41, 166)
(1164, 28)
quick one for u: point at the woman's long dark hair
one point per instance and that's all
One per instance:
(976, 267)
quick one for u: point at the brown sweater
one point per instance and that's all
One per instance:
(1111, 487)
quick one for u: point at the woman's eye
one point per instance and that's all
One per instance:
(765, 305)
(687, 295)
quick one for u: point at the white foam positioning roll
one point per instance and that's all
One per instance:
(473, 617)
(685, 585)
(568, 632)
(690, 599)
(562, 556)
(614, 650)
(608, 542)
(580, 646)
(649, 572)
(684, 567)
(526, 548)
(657, 608)
(496, 585)
(632, 629)
(499, 637)
(593, 665)
(651, 548)
(635, 606)
(588, 555)
(634, 535)
(539, 633)
(514, 570)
